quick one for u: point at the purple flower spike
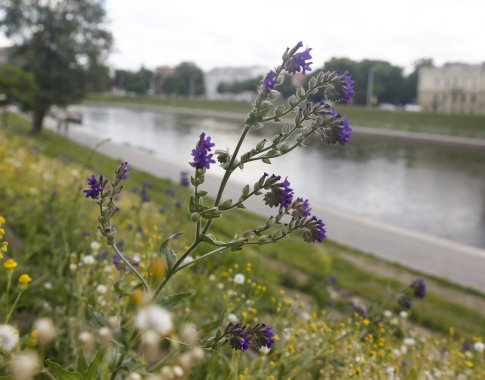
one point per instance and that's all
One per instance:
(201, 157)
(419, 288)
(95, 187)
(287, 195)
(269, 335)
(346, 132)
(125, 170)
(301, 60)
(348, 91)
(270, 81)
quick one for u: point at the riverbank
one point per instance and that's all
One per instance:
(465, 311)
(433, 127)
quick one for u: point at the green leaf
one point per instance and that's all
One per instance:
(245, 190)
(62, 374)
(167, 253)
(95, 318)
(266, 161)
(202, 193)
(211, 239)
(174, 299)
(92, 372)
(82, 364)
(193, 204)
(211, 213)
(225, 205)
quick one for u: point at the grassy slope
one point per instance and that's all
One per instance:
(319, 262)
(453, 125)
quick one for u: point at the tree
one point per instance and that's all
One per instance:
(411, 81)
(16, 87)
(61, 43)
(187, 80)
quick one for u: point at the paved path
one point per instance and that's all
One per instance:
(453, 261)
(465, 142)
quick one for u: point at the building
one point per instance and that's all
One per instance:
(228, 75)
(453, 88)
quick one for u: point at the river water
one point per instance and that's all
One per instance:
(433, 189)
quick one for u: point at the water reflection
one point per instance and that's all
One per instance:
(434, 189)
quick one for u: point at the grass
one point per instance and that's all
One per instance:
(313, 263)
(472, 126)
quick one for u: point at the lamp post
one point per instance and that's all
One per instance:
(370, 86)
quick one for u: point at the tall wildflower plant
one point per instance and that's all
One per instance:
(299, 120)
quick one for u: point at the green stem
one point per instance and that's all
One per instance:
(13, 306)
(131, 267)
(7, 293)
(131, 339)
(204, 256)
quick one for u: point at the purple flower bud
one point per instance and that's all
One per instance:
(270, 81)
(345, 132)
(348, 90)
(201, 157)
(419, 288)
(184, 179)
(95, 187)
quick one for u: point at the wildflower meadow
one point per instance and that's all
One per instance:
(109, 274)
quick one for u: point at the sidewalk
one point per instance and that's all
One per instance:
(456, 262)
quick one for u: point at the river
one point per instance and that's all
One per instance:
(430, 188)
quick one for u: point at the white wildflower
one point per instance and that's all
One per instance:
(212, 277)
(403, 314)
(48, 285)
(24, 366)
(178, 371)
(409, 341)
(387, 313)
(134, 376)
(45, 330)
(89, 260)
(264, 350)
(239, 278)
(154, 317)
(86, 340)
(479, 346)
(220, 285)
(105, 335)
(231, 317)
(95, 246)
(9, 337)
(101, 289)
(72, 267)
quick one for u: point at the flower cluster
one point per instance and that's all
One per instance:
(346, 132)
(241, 338)
(281, 194)
(95, 187)
(299, 61)
(348, 92)
(202, 158)
(418, 289)
(269, 81)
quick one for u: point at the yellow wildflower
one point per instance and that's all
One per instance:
(24, 280)
(2, 232)
(4, 247)
(2, 220)
(10, 264)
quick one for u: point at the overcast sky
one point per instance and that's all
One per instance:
(214, 33)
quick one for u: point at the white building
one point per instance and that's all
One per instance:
(453, 88)
(228, 75)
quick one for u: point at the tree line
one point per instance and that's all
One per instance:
(390, 83)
